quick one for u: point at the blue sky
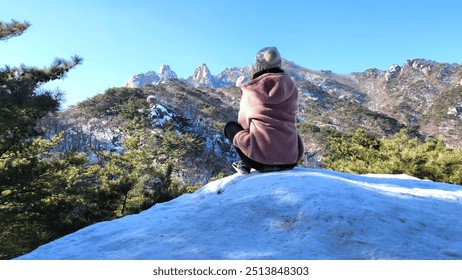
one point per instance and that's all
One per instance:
(120, 38)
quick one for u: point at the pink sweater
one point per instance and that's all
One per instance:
(267, 112)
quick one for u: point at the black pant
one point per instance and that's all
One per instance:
(231, 129)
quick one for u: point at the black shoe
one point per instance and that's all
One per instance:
(273, 168)
(241, 168)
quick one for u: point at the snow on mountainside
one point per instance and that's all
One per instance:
(298, 214)
(203, 78)
(166, 73)
(142, 79)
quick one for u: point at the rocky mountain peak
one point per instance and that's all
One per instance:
(203, 77)
(420, 66)
(142, 79)
(393, 72)
(166, 73)
(229, 76)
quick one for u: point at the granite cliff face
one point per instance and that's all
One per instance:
(203, 78)
(151, 78)
(407, 92)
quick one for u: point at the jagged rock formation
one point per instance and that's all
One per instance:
(142, 79)
(151, 78)
(203, 78)
(229, 76)
(166, 73)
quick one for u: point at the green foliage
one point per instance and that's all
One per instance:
(438, 112)
(142, 174)
(12, 29)
(114, 101)
(313, 130)
(180, 146)
(402, 154)
(45, 194)
(43, 197)
(36, 204)
(128, 173)
(24, 103)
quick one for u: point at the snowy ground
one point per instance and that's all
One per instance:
(299, 214)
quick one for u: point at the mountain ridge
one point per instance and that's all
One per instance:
(405, 92)
(202, 73)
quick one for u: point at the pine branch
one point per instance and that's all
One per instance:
(12, 29)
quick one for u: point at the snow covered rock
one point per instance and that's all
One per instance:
(202, 77)
(298, 214)
(166, 73)
(142, 79)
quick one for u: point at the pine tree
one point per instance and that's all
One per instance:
(23, 101)
(360, 153)
(31, 182)
(135, 173)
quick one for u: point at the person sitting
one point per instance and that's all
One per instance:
(265, 135)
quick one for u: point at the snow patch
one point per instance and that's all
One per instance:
(160, 115)
(298, 214)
